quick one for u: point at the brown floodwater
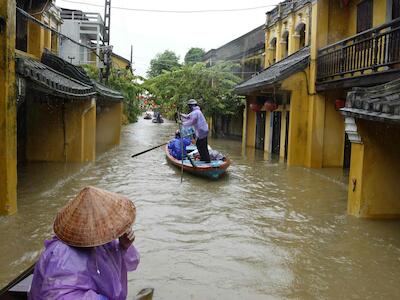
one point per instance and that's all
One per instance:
(265, 231)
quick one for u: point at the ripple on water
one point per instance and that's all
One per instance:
(265, 231)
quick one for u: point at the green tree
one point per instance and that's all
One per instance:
(165, 61)
(212, 87)
(194, 55)
(124, 82)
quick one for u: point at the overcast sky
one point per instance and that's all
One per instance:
(152, 33)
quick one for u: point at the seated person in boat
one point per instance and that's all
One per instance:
(196, 119)
(175, 148)
(92, 249)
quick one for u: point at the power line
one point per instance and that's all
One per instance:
(175, 11)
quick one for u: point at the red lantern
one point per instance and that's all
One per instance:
(340, 103)
(255, 107)
(270, 106)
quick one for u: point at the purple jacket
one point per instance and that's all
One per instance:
(65, 273)
(197, 120)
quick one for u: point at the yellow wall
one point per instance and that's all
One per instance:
(343, 20)
(375, 165)
(36, 38)
(283, 133)
(108, 129)
(334, 134)
(289, 23)
(8, 125)
(72, 134)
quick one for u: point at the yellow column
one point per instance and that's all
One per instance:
(283, 134)
(267, 131)
(251, 128)
(35, 38)
(244, 129)
(355, 179)
(316, 112)
(8, 124)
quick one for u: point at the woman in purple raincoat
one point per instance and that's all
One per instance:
(92, 251)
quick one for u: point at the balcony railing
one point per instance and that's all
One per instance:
(371, 51)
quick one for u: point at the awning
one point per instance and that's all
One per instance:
(50, 81)
(276, 72)
(377, 103)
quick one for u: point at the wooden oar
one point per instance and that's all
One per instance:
(180, 134)
(155, 147)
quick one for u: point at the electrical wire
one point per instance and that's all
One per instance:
(175, 11)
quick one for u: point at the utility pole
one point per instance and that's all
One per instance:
(107, 18)
(107, 49)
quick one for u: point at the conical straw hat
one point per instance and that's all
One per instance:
(94, 217)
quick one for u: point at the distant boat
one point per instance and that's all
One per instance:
(147, 116)
(214, 170)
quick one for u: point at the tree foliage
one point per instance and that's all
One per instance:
(212, 87)
(124, 82)
(166, 61)
(194, 55)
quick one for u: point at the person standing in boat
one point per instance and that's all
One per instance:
(196, 119)
(91, 252)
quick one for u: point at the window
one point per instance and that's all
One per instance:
(364, 15)
(301, 31)
(395, 9)
(273, 51)
(285, 46)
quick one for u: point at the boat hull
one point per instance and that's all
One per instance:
(205, 170)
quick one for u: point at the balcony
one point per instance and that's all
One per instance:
(368, 58)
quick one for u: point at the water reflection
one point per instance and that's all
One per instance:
(264, 231)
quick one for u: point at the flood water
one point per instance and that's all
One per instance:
(265, 231)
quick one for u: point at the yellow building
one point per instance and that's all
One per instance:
(294, 106)
(50, 110)
(119, 62)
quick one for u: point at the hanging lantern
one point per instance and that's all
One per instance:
(255, 107)
(271, 106)
(340, 103)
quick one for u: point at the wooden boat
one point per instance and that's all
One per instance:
(18, 288)
(158, 120)
(213, 170)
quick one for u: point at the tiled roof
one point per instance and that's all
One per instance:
(62, 66)
(377, 103)
(79, 74)
(51, 81)
(107, 93)
(277, 72)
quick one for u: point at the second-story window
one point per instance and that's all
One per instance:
(395, 9)
(285, 50)
(364, 15)
(272, 45)
(301, 33)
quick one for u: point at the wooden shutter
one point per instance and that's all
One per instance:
(395, 9)
(364, 15)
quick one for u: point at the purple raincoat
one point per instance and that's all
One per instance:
(64, 272)
(197, 120)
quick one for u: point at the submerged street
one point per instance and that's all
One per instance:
(265, 231)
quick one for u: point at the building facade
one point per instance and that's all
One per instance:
(247, 51)
(50, 109)
(319, 56)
